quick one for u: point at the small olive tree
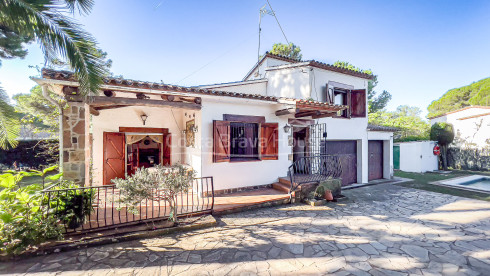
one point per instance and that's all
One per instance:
(443, 133)
(156, 184)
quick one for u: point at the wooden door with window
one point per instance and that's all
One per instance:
(114, 156)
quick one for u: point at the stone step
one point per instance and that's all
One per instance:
(281, 187)
(285, 180)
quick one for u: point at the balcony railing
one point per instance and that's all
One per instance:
(106, 211)
(311, 169)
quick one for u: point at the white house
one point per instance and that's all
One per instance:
(244, 134)
(471, 125)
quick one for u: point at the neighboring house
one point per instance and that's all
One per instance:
(471, 125)
(27, 133)
(244, 133)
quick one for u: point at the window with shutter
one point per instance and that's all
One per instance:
(358, 103)
(244, 141)
(221, 141)
(269, 141)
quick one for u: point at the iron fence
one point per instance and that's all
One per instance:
(310, 169)
(86, 209)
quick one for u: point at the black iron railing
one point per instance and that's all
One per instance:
(86, 209)
(310, 169)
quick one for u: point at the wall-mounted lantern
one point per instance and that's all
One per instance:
(143, 118)
(287, 128)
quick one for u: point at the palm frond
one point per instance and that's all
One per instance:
(59, 36)
(84, 6)
(9, 123)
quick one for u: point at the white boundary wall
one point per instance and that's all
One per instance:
(418, 157)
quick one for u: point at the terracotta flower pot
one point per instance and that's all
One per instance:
(328, 195)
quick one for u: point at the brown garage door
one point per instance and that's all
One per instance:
(375, 162)
(347, 152)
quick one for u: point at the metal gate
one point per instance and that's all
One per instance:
(317, 138)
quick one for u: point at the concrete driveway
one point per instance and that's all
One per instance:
(380, 230)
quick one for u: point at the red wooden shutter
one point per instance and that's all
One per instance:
(269, 141)
(221, 141)
(114, 159)
(358, 103)
(167, 150)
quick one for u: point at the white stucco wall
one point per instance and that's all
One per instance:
(418, 156)
(289, 83)
(473, 131)
(261, 69)
(229, 175)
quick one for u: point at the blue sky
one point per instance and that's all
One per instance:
(418, 49)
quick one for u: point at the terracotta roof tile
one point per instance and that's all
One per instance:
(69, 76)
(314, 63)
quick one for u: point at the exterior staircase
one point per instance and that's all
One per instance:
(283, 184)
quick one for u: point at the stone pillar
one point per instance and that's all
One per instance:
(74, 142)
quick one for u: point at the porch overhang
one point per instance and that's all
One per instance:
(102, 102)
(311, 109)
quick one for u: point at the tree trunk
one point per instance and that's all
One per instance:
(444, 157)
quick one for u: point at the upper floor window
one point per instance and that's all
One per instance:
(354, 99)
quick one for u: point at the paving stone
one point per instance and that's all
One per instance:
(99, 255)
(369, 249)
(388, 230)
(417, 252)
(355, 255)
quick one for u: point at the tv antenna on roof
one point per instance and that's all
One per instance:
(263, 11)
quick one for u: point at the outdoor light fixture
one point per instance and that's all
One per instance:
(287, 128)
(143, 118)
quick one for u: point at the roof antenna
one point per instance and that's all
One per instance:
(263, 11)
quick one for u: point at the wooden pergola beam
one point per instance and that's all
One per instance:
(94, 111)
(324, 115)
(306, 114)
(101, 101)
(287, 111)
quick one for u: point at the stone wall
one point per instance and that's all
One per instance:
(464, 158)
(74, 130)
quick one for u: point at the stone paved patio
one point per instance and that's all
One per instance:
(381, 230)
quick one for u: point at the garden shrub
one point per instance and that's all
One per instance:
(169, 181)
(70, 206)
(22, 223)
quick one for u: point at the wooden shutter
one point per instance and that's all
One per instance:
(167, 150)
(269, 141)
(358, 103)
(221, 141)
(114, 156)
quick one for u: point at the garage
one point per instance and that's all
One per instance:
(375, 159)
(347, 152)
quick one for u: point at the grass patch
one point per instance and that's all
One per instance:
(421, 181)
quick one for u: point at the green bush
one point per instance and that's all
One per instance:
(70, 205)
(443, 133)
(22, 223)
(168, 180)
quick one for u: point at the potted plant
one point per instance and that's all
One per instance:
(328, 195)
(71, 205)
